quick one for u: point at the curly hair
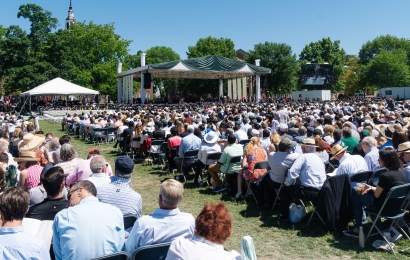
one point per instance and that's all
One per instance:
(214, 223)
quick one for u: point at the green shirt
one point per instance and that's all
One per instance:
(351, 142)
(229, 152)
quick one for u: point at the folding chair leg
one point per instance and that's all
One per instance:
(277, 197)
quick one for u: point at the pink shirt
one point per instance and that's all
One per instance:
(83, 171)
(33, 176)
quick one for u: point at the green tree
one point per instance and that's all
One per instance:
(88, 55)
(223, 47)
(279, 58)
(212, 46)
(388, 42)
(326, 50)
(388, 69)
(42, 24)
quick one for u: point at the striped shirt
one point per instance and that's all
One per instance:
(118, 193)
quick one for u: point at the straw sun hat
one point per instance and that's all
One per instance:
(30, 143)
(337, 149)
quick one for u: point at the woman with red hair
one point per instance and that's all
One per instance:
(213, 226)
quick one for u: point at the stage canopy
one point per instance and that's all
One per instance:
(59, 86)
(208, 67)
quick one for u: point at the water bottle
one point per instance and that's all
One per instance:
(364, 217)
(201, 184)
(361, 237)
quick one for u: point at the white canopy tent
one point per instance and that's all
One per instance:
(59, 87)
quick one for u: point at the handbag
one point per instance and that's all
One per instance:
(296, 213)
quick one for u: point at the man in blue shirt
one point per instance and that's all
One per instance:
(14, 242)
(89, 228)
(166, 223)
(189, 142)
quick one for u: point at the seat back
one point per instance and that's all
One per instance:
(129, 221)
(262, 165)
(214, 156)
(191, 153)
(376, 175)
(152, 252)
(361, 176)
(244, 142)
(235, 159)
(395, 193)
(114, 256)
(157, 142)
(164, 147)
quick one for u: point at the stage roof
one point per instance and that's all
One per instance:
(208, 67)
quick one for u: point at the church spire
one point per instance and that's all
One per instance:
(70, 18)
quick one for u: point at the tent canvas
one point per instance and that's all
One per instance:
(59, 86)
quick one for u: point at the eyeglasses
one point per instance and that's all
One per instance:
(71, 192)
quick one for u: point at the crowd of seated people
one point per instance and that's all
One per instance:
(305, 143)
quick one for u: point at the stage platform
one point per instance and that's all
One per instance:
(56, 116)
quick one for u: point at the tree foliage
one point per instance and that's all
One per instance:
(326, 50)
(279, 58)
(388, 69)
(212, 46)
(223, 47)
(86, 54)
(388, 42)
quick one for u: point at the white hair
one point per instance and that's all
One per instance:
(369, 141)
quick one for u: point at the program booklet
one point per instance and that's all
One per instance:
(41, 229)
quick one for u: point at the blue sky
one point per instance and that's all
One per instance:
(180, 23)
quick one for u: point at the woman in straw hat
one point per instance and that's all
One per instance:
(253, 154)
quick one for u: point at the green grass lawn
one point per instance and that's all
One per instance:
(272, 240)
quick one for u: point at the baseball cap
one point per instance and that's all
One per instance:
(286, 144)
(124, 166)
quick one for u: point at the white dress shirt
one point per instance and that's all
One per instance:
(198, 248)
(99, 179)
(160, 227)
(241, 135)
(351, 164)
(207, 149)
(310, 169)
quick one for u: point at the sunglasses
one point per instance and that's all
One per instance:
(71, 192)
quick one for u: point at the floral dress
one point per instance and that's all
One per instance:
(254, 155)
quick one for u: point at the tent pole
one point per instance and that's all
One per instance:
(66, 96)
(29, 96)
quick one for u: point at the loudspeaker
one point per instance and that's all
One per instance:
(147, 80)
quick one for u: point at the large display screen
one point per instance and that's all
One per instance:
(317, 74)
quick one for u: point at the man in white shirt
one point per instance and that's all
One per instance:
(240, 134)
(98, 167)
(165, 224)
(310, 170)
(349, 164)
(209, 147)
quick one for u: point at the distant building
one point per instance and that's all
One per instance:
(70, 18)
(241, 54)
